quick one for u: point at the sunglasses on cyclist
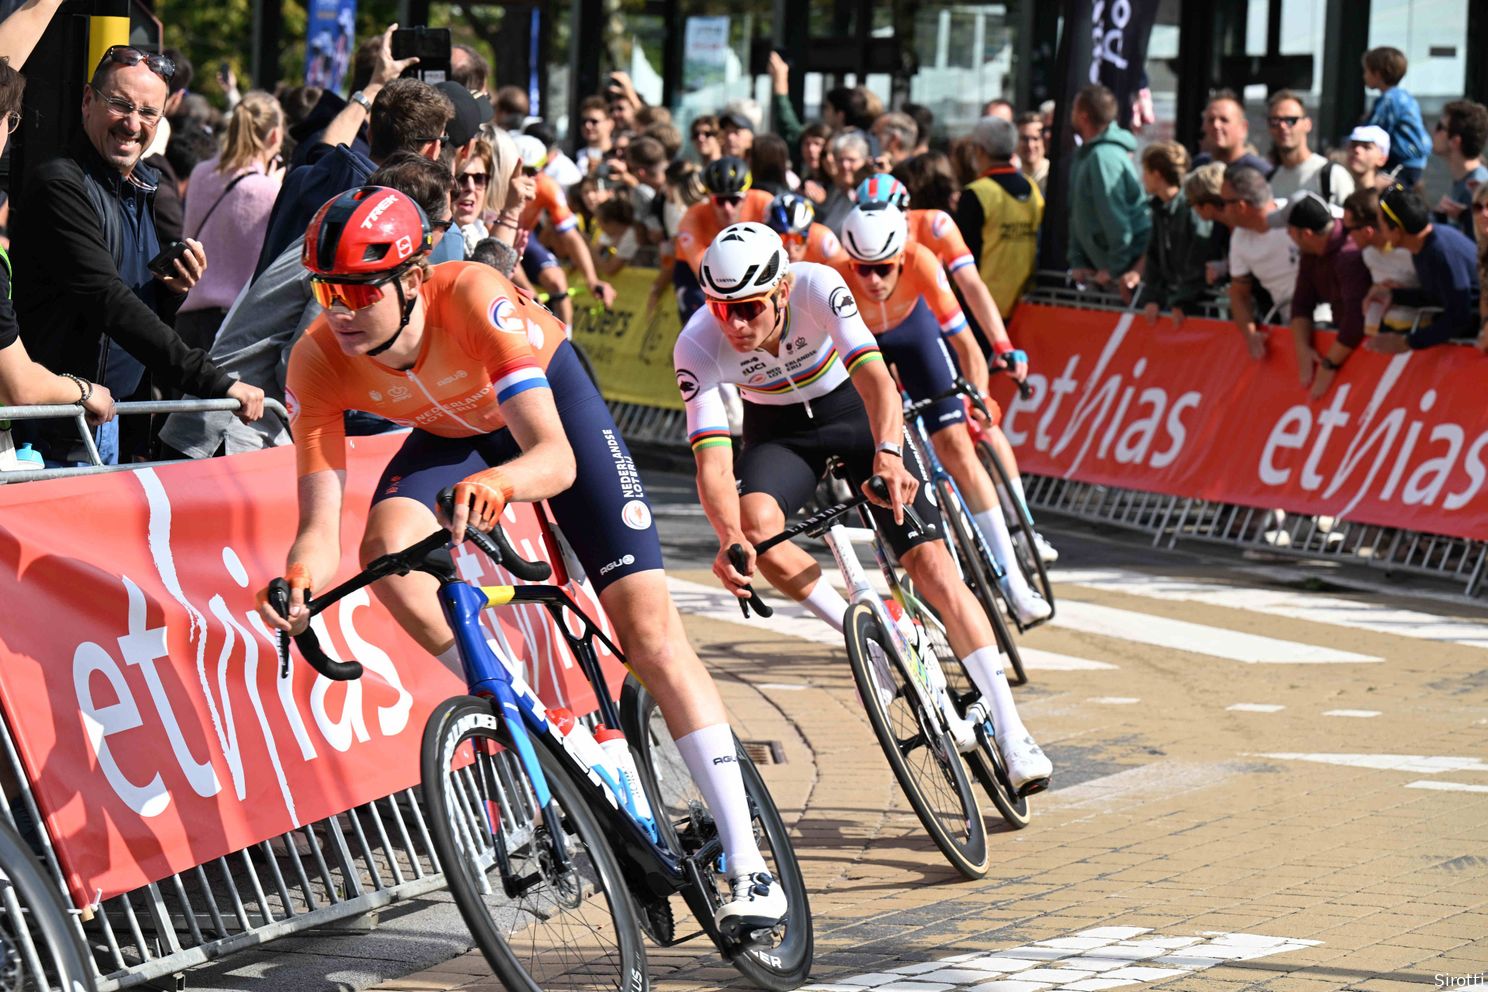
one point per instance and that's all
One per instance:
(731, 199)
(126, 55)
(792, 239)
(881, 269)
(725, 310)
(347, 295)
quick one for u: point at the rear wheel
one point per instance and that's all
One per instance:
(921, 754)
(1020, 525)
(976, 571)
(779, 959)
(39, 949)
(540, 926)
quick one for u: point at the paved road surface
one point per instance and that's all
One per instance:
(1261, 781)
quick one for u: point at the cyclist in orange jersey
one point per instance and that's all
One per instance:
(793, 217)
(537, 260)
(730, 201)
(906, 301)
(501, 408)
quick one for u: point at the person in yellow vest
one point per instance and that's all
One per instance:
(999, 214)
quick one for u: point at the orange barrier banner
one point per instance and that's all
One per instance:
(1398, 440)
(143, 690)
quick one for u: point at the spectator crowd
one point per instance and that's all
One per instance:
(95, 311)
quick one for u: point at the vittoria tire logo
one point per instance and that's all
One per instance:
(842, 303)
(636, 514)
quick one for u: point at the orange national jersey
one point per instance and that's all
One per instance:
(822, 245)
(483, 344)
(549, 200)
(937, 231)
(921, 278)
(699, 226)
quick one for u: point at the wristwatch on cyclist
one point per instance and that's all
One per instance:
(890, 448)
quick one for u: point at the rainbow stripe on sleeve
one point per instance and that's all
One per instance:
(800, 379)
(861, 355)
(709, 437)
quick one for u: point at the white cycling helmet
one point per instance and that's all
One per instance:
(875, 232)
(745, 261)
(534, 153)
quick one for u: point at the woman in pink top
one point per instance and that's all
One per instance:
(227, 210)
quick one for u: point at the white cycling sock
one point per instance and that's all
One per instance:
(994, 529)
(710, 758)
(1017, 483)
(827, 603)
(985, 668)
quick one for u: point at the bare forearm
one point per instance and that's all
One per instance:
(1242, 306)
(346, 125)
(983, 308)
(20, 32)
(885, 413)
(1302, 334)
(973, 362)
(719, 494)
(578, 251)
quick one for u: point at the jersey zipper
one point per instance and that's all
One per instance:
(438, 405)
(806, 402)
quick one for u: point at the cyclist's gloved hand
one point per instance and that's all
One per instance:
(1016, 362)
(734, 580)
(298, 578)
(479, 500)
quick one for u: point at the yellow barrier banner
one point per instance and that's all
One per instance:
(632, 353)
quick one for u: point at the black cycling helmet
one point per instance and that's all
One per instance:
(727, 176)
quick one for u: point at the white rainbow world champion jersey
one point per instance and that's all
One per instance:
(823, 341)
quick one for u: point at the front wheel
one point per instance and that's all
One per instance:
(976, 572)
(921, 753)
(782, 959)
(540, 925)
(38, 947)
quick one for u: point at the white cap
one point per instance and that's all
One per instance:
(1372, 134)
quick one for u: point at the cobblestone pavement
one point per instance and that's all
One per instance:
(1257, 786)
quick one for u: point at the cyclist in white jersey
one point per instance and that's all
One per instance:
(814, 386)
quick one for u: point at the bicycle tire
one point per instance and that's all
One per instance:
(977, 574)
(785, 963)
(39, 950)
(986, 761)
(949, 813)
(547, 936)
(1019, 522)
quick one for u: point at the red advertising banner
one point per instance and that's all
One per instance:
(144, 692)
(1398, 440)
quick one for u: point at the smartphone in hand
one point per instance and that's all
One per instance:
(164, 264)
(431, 45)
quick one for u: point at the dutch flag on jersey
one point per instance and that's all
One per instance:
(519, 380)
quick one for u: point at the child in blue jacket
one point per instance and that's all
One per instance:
(1398, 113)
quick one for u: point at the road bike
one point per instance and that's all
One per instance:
(897, 663)
(550, 855)
(39, 949)
(979, 569)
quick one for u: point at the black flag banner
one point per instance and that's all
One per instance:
(1119, 32)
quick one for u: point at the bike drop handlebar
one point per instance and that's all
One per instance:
(813, 524)
(494, 544)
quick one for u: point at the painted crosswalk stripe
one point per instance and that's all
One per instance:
(1421, 764)
(1255, 708)
(1100, 958)
(1446, 786)
(1357, 714)
(1196, 638)
(1360, 614)
(713, 602)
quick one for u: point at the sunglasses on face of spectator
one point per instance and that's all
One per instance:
(119, 107)
(443, 139)
(739, 309)
(125, 55)
(704, 135)
(478, 179)
(1481, 207)
(729, 199)
(593, 121)
(1283, 121)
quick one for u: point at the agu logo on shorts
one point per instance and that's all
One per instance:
(636, 514)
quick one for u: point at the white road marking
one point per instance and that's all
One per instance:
(1446, 786)
(787, 686)
(1135, 786)
(1115, 700)
(1421, 764)
(1361, 614)
(1360, 714)
(1197, 638)
(1255, 708)
(1100, 958)
(1049, 661)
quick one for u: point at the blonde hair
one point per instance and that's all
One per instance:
(505, 161)
(252, 123)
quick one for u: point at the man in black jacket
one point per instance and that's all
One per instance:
(82, 238)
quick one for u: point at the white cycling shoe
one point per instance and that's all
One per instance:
(1027, 605)
(757, 903)
(1047, 552)
(1027, 766)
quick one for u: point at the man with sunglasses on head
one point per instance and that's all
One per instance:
(83, 235)
(906, 301)
(500, 408)
(815, 386)
(537, 260)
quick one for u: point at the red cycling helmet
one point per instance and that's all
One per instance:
(366, 233)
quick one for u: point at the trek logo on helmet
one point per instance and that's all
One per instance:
(378, 210)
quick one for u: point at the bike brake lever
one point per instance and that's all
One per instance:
(880, 488)
(279, 600)
(739, 560)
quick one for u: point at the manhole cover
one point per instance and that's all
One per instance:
(765, 752)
